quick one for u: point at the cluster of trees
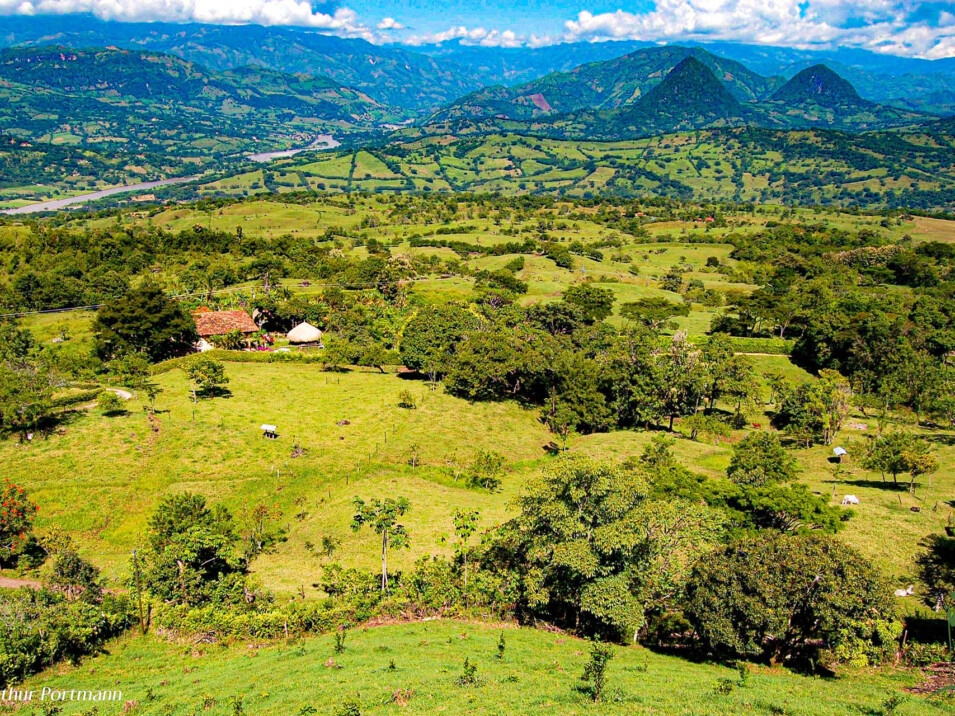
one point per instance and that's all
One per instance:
(822, 287)
(587, 376)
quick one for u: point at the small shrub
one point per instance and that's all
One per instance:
(307, 710)
(391, 666)
(339, 641)
(724, 687)
(743, 669)
(891, 705)
(469, 675)
(349, 707)
(110, 403)
(596, 669)
(407, 400)
(916, 654)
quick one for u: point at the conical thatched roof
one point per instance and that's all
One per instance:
(305, 333)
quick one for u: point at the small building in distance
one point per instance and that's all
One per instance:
(220, 323)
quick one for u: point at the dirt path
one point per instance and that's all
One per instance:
(14, 583)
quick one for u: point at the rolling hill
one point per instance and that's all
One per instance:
(141, 101)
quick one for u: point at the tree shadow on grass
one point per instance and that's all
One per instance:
(878, 485)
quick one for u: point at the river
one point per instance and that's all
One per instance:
(323, 141)
(55, 204)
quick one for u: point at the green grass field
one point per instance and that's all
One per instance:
(539, 674)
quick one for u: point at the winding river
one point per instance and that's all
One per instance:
(323, 141)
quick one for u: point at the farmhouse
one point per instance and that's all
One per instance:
(210, 324)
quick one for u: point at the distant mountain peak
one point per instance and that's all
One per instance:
(691, 87)
(820, 85)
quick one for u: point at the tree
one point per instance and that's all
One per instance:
(935, 566)
(760, 459)
(207, 376)
(654, 313)
(486, 469)
(190, 557)
(816, 409)
(144, 320)
(430, 337)
(75, 577)
(899, 453)
(17, 512)
(681, 380)
(595, 303)
(16, 344)
(782, 598)
(673, 280)
(590, 551)
(382, 517)
(25, 397)
(465, 525)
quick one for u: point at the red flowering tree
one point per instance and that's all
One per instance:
(17, 512)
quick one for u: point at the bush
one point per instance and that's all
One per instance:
(110, 403)
(49, 629)
(787, 598)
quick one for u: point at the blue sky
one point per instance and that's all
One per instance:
(902, 27)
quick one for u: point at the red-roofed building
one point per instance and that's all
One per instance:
(220, 323)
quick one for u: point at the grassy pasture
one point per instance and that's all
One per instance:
(539, 674)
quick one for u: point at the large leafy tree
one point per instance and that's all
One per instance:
(655, 313)
(591, 551)
(190, 557)
(779, 598)
(26, 391)
(144, 320)
(594, 303)
(428, 340)
(760, 459)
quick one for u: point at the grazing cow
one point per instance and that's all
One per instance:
(850, 500)
(907, 592)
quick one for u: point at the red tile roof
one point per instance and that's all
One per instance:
(218, 323)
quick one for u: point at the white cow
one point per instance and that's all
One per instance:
(907, 592)
(850, 500)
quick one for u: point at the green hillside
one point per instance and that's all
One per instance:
(603, 85)
(109, 99)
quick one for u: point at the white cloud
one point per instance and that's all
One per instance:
(882, 25)
(262, 12)
(389, 23)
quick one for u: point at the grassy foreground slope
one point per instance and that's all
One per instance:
(100, 478)
(538, 675)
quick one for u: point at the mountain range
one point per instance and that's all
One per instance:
(668, 89)
(422, 79)
(144, 101)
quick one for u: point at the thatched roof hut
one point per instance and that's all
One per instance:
(305, 333)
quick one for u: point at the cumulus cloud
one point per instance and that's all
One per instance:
(479, 36)
(389, 23)
(339, 20)
(921, 28)
(882, 25)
